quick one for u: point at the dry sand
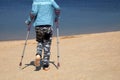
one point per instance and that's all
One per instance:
(82, 57)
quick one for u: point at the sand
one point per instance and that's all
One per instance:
(82, 57)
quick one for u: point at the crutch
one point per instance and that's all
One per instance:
(58, 53)
(28, 32)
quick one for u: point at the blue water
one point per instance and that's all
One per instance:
(77, 17)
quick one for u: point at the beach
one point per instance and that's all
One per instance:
(82, 57)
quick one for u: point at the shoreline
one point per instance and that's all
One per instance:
(61, 36)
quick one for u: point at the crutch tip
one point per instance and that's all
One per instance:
(20, 64)
(58, 64)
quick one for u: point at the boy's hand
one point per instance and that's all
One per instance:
(56, 20)
(27, 22)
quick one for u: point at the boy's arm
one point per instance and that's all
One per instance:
(33, 13)
(57, 10)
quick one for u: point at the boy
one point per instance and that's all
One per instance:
(43, 15)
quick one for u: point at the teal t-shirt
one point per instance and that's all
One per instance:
(44, 11)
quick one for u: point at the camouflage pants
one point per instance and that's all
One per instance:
(44, 38)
